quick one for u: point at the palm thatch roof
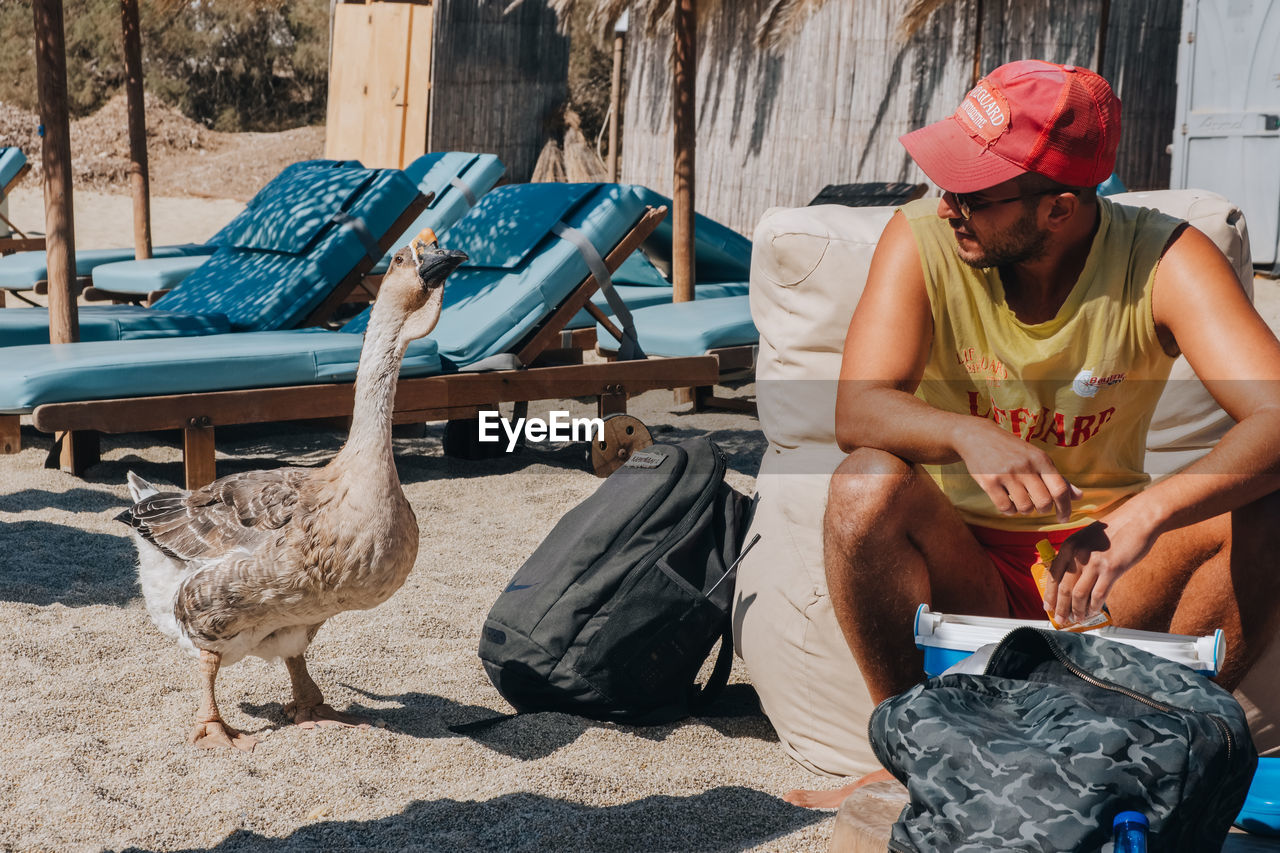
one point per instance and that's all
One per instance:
(781, 19)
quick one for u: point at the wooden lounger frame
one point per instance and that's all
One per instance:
(418, 399)
(733, 362)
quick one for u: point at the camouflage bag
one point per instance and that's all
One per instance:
(1062, 732)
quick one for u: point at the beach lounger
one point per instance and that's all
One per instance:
(691, 328)
(286, 261)
(722, 265)
(28, 271)
(454, 180)
(716, 327)
(538, 252)
(13, 165)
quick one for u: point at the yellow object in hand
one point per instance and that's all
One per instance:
(1040, 572)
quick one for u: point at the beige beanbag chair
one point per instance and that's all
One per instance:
(807, 271)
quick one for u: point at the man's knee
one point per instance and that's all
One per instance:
(868, 482)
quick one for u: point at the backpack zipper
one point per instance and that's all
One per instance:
(690, 517)
(1088, 678)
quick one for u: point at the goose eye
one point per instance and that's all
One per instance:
(398, 259)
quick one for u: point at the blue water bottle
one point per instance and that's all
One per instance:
(1129, 833)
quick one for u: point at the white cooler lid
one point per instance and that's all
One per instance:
(969, 633)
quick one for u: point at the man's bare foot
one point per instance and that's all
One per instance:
(832, 799)
(215, 734)
(311, 716)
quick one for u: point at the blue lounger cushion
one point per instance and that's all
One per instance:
(440, 173)
(250, 281)
(640, 296)
(691, 328)
(487, 310)
(27, 326)
(262, 282)
(437, 173)
(21, 271)
(111, 369)
(519, 271)
(720, 253)
(12, 159)
(143, 277)
(638, 269)
(290, 213)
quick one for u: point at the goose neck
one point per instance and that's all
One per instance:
(379, 368)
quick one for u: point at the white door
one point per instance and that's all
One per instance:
(1227, 133)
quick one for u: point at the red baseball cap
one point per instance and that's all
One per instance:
(1059, 121)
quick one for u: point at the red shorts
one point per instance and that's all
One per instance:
(1013, 552)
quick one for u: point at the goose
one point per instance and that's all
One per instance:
(254, 563)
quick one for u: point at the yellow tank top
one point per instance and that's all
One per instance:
(1081, 386)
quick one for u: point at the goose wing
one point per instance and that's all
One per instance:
(237, 512)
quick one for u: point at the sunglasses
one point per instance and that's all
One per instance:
(967, 204)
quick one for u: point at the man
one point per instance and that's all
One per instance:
(1014, 337)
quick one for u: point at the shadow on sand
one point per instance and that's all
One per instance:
(44, 563)
(735, 714)
(726, 818)
(72, 500)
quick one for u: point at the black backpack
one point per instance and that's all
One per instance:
(1060, 734)
(614, 614)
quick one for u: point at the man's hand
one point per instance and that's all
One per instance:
(1019, 478)
(1091, 560)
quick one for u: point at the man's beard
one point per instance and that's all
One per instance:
(1023, 242)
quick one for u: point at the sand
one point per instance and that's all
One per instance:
(95, 704)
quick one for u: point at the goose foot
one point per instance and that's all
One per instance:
(210, 731)
(323, 716)
(308, 708)
(215, 734)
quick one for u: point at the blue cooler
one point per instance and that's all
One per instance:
(1261, 812)
(948, 639)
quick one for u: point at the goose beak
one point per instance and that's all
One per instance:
(434, 265)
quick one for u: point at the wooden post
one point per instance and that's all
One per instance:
(10, 433)
(1104, 21)
(976, 74)
(612, 402)
(684, 108)
(139, 178)
(81, 450)
(615, 104)
(78, 451)
(59, 219)
(199, 467)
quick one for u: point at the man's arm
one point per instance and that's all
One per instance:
(885, 353)
(1198, 304)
